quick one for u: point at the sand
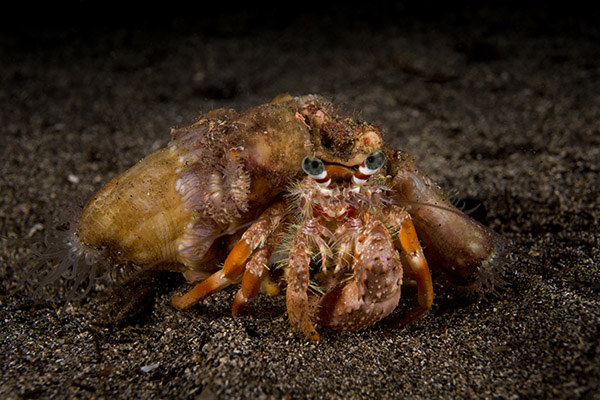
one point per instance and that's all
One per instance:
(501, 106)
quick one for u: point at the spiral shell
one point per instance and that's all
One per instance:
(164, 212)
(214, 175)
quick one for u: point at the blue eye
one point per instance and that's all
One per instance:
(374, 161)
(313, 166)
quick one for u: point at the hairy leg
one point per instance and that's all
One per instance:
(297, 287)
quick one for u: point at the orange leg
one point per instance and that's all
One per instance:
(409, 244)
(236, 260)
(232, 269)
(251, 281)
(254, 273)
(213, 283)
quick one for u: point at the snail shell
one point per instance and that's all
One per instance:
(165, 211)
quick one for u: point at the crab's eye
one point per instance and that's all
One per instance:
(313, 167)
(374, 161)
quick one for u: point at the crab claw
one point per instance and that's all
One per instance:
(374, 290)
(463, 249)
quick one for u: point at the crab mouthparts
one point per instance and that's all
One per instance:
(339, 172)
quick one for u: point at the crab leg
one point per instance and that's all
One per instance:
(236, 260)
(251, 280)
(415, 258)
(409, 244)
(347, 233)
(254, 274)
(297, 287)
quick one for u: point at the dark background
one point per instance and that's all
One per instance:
(499, 104)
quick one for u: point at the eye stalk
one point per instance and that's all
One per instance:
(316, 170)
(370, 166)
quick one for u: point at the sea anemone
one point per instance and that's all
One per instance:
(63, 255)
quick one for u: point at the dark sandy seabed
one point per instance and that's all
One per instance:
(499, 104)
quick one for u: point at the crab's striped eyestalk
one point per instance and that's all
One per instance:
(316, 169)
(370, 166)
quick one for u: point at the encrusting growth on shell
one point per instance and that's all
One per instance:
(216, 174)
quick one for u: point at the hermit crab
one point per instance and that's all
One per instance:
(287, 195)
